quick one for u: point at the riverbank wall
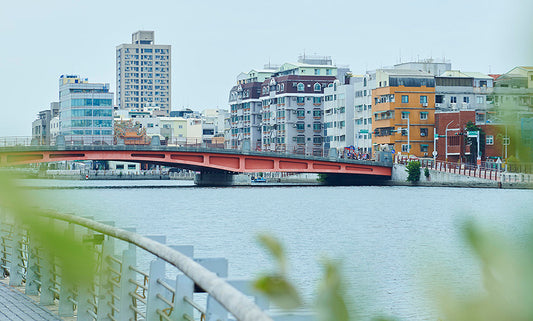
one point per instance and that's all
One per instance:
(446, 179)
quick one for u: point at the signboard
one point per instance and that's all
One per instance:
(363, 131)
(472, 133)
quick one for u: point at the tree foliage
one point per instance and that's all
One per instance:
(413, 171)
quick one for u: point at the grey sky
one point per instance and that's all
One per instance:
(212, 41)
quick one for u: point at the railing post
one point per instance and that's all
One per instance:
(5, 231)
(184, 289)
(157, 272)
(46, 261)
(16, 266)
(66, 294)
(33, 278)
(105, 287)
(126, 287)
(86, 291)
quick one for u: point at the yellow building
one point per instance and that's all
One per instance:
(403, 112)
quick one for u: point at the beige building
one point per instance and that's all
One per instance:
(143, 73)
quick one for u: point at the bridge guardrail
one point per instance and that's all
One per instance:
(487, 170)
(122, 291)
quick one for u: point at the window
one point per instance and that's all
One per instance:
(120, 166)
(317, 100)
(131, 166)
(300, 100)
(453, 99)
(466, 100)
(490, 140)
(317, 72)
(405, 148)
(423, 132)
(439, 99)
(317, 87)
(301, 87)
(328, 72)
(424, 148)
(405, 115)
(300, 113)
(405, 99)
(423, 99)
(423, 115)
(479, 99)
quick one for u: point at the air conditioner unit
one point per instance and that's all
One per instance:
(437, 105)
(425, 154)
(424, 104)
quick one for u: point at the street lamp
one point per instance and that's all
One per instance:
(453, 129)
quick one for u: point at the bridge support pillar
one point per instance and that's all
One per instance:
(221, 179)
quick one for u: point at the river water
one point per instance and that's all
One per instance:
(395, 244)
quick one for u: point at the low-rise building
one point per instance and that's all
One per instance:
(41, 130)
(455, 90)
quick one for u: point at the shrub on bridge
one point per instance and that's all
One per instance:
(413, 171)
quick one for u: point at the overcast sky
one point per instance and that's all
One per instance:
(213, 41)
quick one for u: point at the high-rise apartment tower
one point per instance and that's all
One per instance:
(143, 73)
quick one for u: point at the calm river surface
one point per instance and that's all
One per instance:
(395, 243)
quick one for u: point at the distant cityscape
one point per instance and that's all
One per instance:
(421, 109)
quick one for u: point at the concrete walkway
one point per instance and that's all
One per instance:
(16, 306)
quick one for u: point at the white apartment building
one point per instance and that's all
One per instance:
(362, 120)
(143, 73)
(338, 115)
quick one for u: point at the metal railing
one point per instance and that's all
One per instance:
(487, 170)
(120, 290)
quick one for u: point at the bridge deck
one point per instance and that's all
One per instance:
(15, 306)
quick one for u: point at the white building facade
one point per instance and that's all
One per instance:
(338, 115)
(362, 120)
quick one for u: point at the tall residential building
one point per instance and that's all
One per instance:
(246, 110)
(363, 87)
(293, 113)
(404, 112)
(281, 108)
(85, 111)
(339, 115)
(144, 73)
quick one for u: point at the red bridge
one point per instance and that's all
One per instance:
(199, 159)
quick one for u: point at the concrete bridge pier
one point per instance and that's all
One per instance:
(219, 178)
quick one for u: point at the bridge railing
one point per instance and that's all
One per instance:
(175, 142)
(121, 290)
(510, 173)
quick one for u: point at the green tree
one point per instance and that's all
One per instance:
(413, 171)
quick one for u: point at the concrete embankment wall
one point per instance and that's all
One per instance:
(303, 178)
(444, 179)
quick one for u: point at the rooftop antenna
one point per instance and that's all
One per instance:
(400, 54)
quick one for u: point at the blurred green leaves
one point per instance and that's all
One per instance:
(276, 285)
(507, 269)
(76, 260)
(331, 300)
